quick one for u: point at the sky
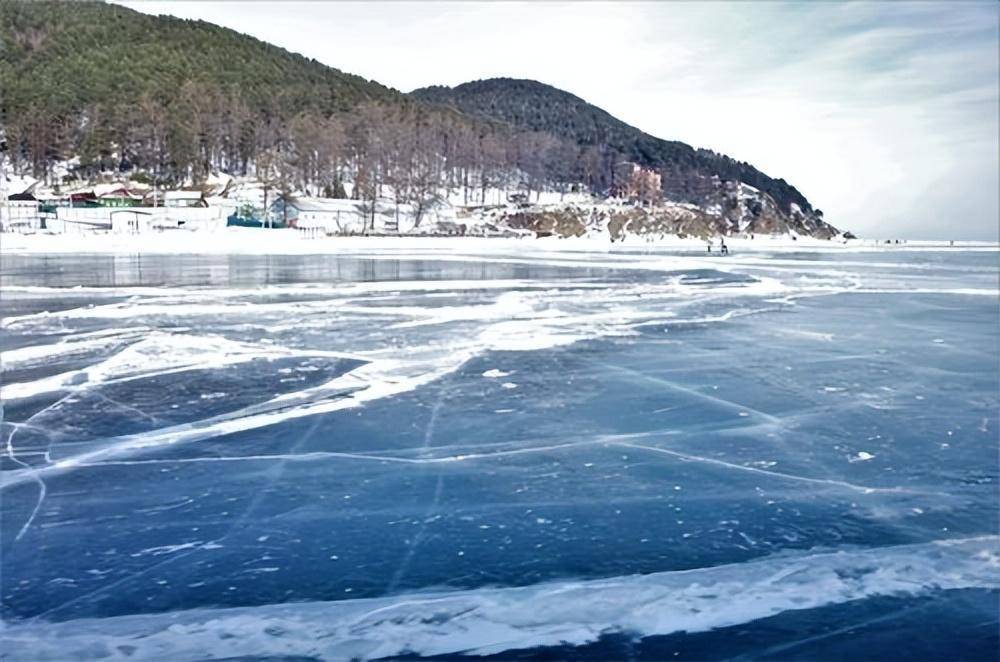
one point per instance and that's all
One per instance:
(884, 114)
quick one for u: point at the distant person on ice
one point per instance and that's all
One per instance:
(722, 246)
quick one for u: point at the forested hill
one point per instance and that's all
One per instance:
(92, 80)
(60, 56)
(91, 90)
(528, 104)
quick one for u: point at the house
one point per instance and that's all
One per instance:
(327, 215)
(118, 195)
(82, 198)
(634, 182)
(184, 199)
(19, 213)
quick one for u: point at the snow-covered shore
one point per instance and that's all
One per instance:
(291, 242)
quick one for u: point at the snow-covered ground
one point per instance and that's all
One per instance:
(290, 242)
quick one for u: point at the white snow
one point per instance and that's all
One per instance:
(292, 242)
(487, 621)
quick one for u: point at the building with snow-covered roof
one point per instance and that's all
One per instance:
(184, 199)
(118, 195)
(636, 182)
(19, 213)
(82, 199)
(327, 215)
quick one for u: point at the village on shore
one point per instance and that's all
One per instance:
(114, 215)
(131, 207)
(220, 201)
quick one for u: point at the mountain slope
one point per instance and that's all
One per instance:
(61, 56)
(116, 89)
(535, 106)
(92, 91)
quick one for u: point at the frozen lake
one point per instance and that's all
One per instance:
(603, 456)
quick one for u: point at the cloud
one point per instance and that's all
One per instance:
(883, 114)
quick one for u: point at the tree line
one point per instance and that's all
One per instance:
(410, 150)
(688, 174)
(170, 101)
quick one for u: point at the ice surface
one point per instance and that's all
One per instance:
(491, 620)
(434, 451)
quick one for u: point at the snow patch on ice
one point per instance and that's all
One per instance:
(492, 620)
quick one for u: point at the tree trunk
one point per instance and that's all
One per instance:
(267, 217)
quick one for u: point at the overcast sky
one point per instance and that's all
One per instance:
(884, 115)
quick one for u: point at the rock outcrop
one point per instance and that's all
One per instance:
(738, 210)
